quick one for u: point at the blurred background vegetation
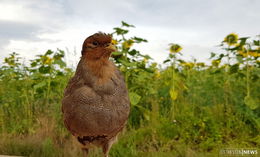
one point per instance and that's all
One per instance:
(178, 109)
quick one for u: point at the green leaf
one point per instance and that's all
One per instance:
(212, 54)
(239, 58)
(146, 56)
(147, 115)
(133, 52)
(251, 103)
(45, 70)
(167, 60)
(60, 73)
(33, 64)
(126, 24)
(181, 61)
(150, 70)
(127, 63)
(117, 53)
(221, 56)
(235, 48)
(120, 31)
(254, 77)
(217, 71)
(134, 98)
(243, 41)
(241, 75)
(58, 55)
(257, 42)
(171, 55)
(54, 83)
(173, 94)
(139, 40)
(40, 85)
(60, 63)
(49, 52)
(234, 68)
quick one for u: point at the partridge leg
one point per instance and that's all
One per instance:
(106, 146)
(85, 152)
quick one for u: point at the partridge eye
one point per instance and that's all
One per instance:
(95, 43)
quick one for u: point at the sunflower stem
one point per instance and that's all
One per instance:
(247, 74)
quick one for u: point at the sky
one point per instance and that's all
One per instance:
(31, 27)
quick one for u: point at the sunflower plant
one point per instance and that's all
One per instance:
(242, 54)
(138, 70)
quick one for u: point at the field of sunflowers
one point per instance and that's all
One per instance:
(180, 109)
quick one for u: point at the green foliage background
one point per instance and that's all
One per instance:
(183, 109)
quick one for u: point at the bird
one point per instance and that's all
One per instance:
(96, 105)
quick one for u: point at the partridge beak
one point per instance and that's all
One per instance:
(111, 47)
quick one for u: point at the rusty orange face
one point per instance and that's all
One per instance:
(98, 46)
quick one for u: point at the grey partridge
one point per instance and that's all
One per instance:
(96, 105)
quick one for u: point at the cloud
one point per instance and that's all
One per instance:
(23, 22)
(15, 31)
(18, 30)
(35, 26)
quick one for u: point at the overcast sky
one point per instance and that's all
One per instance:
(30, 27)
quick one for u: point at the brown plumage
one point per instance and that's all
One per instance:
(96, 105)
